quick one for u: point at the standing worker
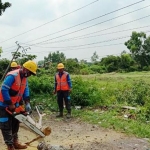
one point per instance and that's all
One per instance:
(63, 87)
(14, 88)
(14, 66)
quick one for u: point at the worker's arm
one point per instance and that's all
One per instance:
(69, 81)
(55, 84)
(5, 89)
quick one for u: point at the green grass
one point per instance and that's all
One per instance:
(112, 120)
(112, 89)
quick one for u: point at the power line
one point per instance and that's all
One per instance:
(81, 48)
(83, 36)
(82, 29)
(90, 27)
(9, 47)
(55, 20)
(95, 19)
(90, 43)
(118, 38)
(76, 38)
(92, 32)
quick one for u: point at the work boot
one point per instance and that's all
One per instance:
(60, 115)
(10, 147)
(68, 115)
(19, 145)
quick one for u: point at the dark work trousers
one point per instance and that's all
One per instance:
(63, 95)
(9, 128)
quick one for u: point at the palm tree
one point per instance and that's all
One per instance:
(3, 6)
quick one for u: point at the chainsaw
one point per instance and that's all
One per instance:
(24, 117)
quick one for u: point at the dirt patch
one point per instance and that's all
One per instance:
(73, 134)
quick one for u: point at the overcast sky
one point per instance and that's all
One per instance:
(44, 26)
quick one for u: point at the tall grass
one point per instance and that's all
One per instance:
(106, 93)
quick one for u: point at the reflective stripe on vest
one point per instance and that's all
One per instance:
(62, 83)
(4, 119)
(18, 85)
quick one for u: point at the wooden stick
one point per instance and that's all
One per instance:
(28, 143)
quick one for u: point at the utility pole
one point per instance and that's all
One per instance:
(11, 61)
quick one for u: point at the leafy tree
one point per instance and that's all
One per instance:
(72, 65)
(82, 61)
(98, 68)
(22, 57)
(41, 63)
(139, 47)
(111, 63)
(26, 58)
(55, 57)
(126, 61)
(4, 6)
(95, 57)
(3, 65)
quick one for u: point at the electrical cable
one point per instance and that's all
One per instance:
(76, 38)
(81, 48)
(118, 38)
(90, 27)
(80, 29)
(53, 20)
(90, 21)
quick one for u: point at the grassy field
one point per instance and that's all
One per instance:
(103, 97)
(134, 86)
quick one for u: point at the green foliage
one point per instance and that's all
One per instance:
(126, 61)
(41, 85)
(3, 7)
(98, 68)
(95, 57)
(113, 120)
(3, 65)
(136, 94)
(24, 57)
(1, 51)
(72, 66)
(111, 63)
(85, 71)
(55, 57)
(139, 47)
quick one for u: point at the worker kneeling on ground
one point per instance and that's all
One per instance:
(14, 89)
(63, 87)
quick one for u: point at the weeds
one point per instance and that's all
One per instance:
(100, 92)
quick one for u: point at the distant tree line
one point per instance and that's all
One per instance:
(138, 59)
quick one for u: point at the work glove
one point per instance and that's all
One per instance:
(28, 107)
(11, 107)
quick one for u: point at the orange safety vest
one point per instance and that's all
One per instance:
(62, 83)
(18, 85)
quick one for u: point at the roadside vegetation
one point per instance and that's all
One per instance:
(119, 101)
(113, 92)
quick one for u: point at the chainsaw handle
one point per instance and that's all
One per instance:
(7, 109)
(18, 110)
